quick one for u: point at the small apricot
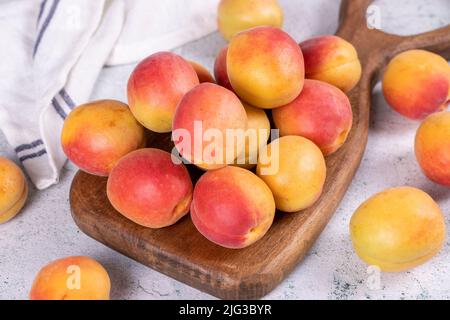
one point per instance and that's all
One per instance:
(13, 190)
(71, 278)
(294, 169)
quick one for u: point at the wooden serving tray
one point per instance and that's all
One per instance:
(181, 252)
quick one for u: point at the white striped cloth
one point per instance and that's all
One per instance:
(52, 51)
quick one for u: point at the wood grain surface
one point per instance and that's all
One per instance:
(181, 252)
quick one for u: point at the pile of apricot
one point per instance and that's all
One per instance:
(262, 80)
(260, 73)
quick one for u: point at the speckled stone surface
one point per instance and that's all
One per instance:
(44, 231)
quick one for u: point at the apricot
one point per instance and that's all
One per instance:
(258, 132)
(321, 113)
(333, 60)
(71, 278)
(220, 69)
(202, 73)
(97, 134)
(200, 126)
(417, 83)
(13, 190)
(232, 207)
(155, 88)
(294, 169)
(397, 229)
(238, 15)
(265, 67)
(432, 147)
(148, 188)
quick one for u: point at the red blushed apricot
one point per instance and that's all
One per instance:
(433, 147)
(417, 83)
(237, 15)
(232, 207)
(220, 69)
(333, 60)
(71, 278)
(148, 188)
(265, 67)
(13, 190)
(321, 113)
(202, 73)
(96, 135)
(201, 122)
(155, 88)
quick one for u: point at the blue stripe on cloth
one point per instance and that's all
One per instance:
(41, 10)
(45, 25)
(33, 155)
(32, 145)
(58, 108)
(67, 99)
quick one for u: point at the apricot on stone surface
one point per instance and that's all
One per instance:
(13, 190)
(398, 229)
(417, 83)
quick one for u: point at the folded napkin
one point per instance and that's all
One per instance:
(51, 53)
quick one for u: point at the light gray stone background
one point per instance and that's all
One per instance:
(44, 230)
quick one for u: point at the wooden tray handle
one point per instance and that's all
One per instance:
(376, 47)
